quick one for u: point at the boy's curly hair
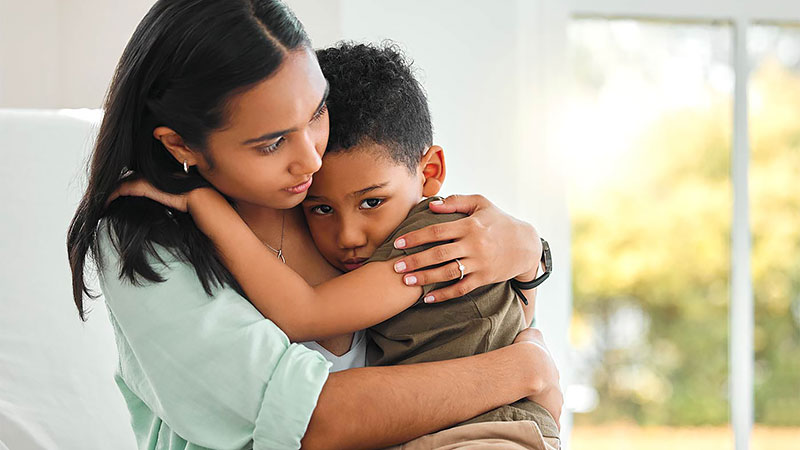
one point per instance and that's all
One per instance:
(374, 97)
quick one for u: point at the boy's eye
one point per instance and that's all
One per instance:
(371, 203)
(321, 210)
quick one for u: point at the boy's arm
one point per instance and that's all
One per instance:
(351, 302)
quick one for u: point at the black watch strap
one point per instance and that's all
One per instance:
(547, 260)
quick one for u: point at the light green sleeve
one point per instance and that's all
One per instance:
(211, 370)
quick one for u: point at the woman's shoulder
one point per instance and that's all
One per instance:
(109, 246)
(177, 277)
(143, 303)
(109, 254)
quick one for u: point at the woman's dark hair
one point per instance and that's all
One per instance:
(180, 69)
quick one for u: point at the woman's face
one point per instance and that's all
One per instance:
(276, 135)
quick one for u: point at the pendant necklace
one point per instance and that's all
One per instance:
(279, 251)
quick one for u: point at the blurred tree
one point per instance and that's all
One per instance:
(651, 264)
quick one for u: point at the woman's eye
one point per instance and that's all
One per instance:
(371, 203)
(320, 113)
(321, 210)
(267, 149)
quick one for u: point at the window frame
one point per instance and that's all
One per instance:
(553, 16)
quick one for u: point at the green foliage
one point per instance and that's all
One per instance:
(657, 239)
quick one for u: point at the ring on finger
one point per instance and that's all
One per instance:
(461, 269)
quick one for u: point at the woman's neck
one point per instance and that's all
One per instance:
(266, 223)
(298, 248)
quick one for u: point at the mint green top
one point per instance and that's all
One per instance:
(205, 372)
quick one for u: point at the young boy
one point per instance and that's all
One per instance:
(379, 165)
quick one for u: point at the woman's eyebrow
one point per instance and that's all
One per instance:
(277, 134)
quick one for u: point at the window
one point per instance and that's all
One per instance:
(741, 71)
(774, 117)
(650, 205)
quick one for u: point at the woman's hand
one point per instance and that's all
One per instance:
(491, 245)
(142, 188)
(546, 388)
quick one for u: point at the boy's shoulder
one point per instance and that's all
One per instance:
(419, 217)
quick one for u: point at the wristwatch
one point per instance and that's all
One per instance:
(547, 262)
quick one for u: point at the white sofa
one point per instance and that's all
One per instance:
(56, 373)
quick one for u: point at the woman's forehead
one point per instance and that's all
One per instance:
(286, 100)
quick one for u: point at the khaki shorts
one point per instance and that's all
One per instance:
(518, 435)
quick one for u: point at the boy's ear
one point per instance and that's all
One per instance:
(175, 145)
(433, 170)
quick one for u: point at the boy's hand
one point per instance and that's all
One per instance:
(180, 202)
(491, 245)
(143, 188)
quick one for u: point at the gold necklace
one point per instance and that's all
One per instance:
(279, 251)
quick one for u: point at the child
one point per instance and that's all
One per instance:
(378, 165)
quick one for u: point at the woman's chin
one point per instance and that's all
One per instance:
(280, 201)
(289, 201)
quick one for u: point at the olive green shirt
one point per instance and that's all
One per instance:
(486, 319)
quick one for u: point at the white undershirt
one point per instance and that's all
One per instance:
(355, 357)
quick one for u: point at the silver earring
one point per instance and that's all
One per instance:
(186, 166)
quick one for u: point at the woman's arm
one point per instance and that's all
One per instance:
(492, 245)
(380, 406)
(529, 310)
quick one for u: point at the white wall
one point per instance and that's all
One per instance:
(28, 53)
(62, 53)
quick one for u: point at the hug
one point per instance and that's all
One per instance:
(277, 268)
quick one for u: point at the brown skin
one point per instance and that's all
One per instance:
(398, 403)
(256, 174)
(290, 103)
(360, 196)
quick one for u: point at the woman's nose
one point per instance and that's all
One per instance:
(308, 160)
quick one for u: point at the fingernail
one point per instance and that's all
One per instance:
(399, 266)
(400, 243)
(411, 280)
(437, 202)
(428, 299)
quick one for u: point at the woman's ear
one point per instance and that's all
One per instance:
(433, 170)
(174, 144)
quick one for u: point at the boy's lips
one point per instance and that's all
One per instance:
(300, 188)
(353, 263)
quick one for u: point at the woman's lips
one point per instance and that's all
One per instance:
(300, 188)
(353, 264)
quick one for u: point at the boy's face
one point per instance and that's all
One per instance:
(357, 199)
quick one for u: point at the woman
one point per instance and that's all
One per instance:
(228, 94)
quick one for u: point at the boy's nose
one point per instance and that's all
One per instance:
(351, 236)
